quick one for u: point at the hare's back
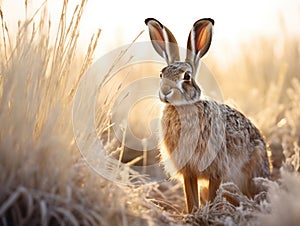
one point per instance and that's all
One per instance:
(245, 140)
(241, 133)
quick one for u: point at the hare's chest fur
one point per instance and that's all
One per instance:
(191, 143)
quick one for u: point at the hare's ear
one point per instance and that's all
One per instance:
(163, 41)
(199, 41)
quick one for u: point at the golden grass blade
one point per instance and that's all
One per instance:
(108, 77)
(43, 177)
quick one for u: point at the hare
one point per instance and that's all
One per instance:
(203, 139)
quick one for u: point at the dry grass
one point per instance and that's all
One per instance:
(44, 180)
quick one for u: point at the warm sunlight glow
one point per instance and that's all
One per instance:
(235, 21)
(94, 124)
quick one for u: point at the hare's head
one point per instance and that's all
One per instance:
(178, 86)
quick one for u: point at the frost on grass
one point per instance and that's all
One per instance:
(44, 180)
(278, 206)
(284, 201)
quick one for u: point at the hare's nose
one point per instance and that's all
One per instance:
(165, 90)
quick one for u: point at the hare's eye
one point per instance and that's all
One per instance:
(187, 75)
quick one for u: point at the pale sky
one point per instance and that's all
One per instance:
(120, 21)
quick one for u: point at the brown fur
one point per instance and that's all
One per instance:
(242, 152)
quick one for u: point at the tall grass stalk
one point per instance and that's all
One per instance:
(45, 181)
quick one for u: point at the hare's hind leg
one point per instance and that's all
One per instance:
(214, 184)
(191, 192)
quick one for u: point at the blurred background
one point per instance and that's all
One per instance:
(236, 22)
(45, 50)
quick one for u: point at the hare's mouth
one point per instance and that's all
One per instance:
(165, 97)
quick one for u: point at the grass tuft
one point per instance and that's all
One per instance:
(45, 181)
